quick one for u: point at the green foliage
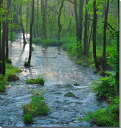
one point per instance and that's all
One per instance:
(106, 87)
(37, 107)
(13, 35)
(40, 80)
(71, 48)
(2, 87)
(9, 61)
(28, 118)
(48, 42)
(114, 52)
(53, 42)
(10, 71)
(107, 117)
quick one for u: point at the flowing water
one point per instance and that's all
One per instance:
(61, 72)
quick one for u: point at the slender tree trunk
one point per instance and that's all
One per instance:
(94, 35)
(104, 34)
(23, 32)
(86, 24)
(59, 19)
(43, 12)
(3, 47)
(81, 2)
(76, 19)
(22, 26)
(0, 40)
(7, 28)
(31, 32)
(90, 36)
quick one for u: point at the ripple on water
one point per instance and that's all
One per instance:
(60, 72)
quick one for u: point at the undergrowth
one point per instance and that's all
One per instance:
(107, 117)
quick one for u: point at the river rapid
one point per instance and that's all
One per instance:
(61, 73)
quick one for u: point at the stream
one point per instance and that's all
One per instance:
(61, 72)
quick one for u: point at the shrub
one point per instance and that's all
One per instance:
(39, 80)
(107, 117)
(28, 118)
(71, 48)
(106, 87)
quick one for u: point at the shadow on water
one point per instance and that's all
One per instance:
(60, 73)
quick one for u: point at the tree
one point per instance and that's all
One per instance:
(94, 34)
(31, 31)
(104, 33)
(44, 13)
(86, 27)
(59, 19)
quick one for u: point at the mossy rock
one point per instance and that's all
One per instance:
(13, 78)
(26, 64)
(76, 84)
(70, 94)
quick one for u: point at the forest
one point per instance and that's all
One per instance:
(59, 63)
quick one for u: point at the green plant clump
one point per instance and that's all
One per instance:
(10, 75)
(107, 117)
(106, 87)
(37, 107)
(39, 80)
(28, 118)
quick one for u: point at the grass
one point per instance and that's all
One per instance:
(40, 80)
(53, 42)
(107, 117)
(37, 107)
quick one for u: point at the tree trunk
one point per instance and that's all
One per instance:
(94, 35)
(3, 47)
(0, 40)
(104, 34)
(76, 19)
(44, 11)
(86, 24)
(81, 2)
(59, 19)
(22, 27)
(31, 32)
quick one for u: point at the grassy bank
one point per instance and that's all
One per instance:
(11, 75)
(53, 42)
(107, 88)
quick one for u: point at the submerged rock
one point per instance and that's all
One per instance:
(70, 94)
